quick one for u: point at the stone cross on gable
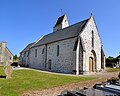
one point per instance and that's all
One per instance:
(61, 11)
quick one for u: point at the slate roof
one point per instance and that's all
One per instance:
(27, 47)
(62, 34)
(9, 51)
(59, 21)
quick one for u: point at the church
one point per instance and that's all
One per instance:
(73, 49)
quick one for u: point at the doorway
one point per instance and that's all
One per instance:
(91, 64)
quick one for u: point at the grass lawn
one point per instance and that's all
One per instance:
(24, 80)
(113, 70)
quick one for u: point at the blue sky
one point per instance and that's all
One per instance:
(25, 21)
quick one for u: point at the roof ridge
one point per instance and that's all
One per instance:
(67, 27)
(74, 29)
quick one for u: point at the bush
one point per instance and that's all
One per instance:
(14, 64)
(112, 80)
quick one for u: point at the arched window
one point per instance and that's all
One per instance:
(92, 39)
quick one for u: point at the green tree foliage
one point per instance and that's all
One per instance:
(112, 59)
(15, 57)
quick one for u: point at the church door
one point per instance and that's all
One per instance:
(91, 65)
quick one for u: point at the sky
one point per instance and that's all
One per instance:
(25, 21)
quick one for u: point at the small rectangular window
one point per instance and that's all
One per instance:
(35, 52)
(58, 50)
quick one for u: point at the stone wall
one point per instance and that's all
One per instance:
(65, 62)
(39, 60)
(24, 58)
(87, 40)
(81, 58)
(5, 54)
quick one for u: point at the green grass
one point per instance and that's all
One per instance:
(113, 69)
(26, 80)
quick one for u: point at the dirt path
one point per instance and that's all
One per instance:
(101, 77)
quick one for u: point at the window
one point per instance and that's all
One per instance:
(57, 50)
(35, 52)
(43, 51)
(27, 53)
(92, 39)
(49, 64)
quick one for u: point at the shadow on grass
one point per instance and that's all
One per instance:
(1, 76)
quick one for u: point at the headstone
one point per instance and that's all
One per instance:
(8, 70)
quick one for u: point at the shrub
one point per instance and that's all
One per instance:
(112, 80)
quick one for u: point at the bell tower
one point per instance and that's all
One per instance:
(61, 23)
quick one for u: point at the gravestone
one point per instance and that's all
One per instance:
(8, 70)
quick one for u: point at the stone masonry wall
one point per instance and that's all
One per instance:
(87, 40)
(39, 60)
(65, 62)
(5, 55)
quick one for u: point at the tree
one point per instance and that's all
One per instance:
(15, 57)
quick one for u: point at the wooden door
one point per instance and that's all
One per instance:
(90, 64)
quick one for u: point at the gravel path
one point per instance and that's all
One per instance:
(101, 77)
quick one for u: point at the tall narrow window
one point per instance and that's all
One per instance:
(49, 64)
(35, 52)
(92, 39)
(57, 50)
(28, 53)
(43, 51)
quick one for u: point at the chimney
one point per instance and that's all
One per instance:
(3, 44)
(3, 47)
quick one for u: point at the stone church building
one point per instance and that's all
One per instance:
(68, 49)
(5, 55)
